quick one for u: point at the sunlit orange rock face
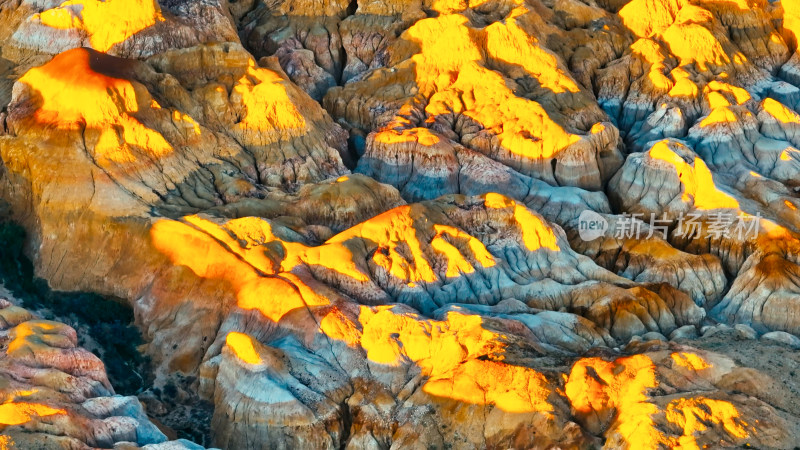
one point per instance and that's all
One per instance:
(465, 85)
(361, 224)
(34, 31)
(131, 28)
(55, 394)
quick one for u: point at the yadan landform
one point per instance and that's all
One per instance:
(399, 224)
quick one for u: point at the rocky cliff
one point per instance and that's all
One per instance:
(56, 394)
(423, 224)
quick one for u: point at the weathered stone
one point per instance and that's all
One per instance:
(782, 337)
(56, 394)
(684, 332)
(745, 332)
(653, 336)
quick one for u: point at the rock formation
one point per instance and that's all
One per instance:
(56, 394)
(382, 224)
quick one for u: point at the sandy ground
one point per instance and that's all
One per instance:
(779, 361)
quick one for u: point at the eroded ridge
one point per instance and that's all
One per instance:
(56, 394)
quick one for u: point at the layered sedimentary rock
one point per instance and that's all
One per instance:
(304, 36)
(194, 159)
(716, 77)
(440, 92)
(56, 394)
(134, 29)
(601, 397)
(34, 31)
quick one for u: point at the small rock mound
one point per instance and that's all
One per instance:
(55, 393)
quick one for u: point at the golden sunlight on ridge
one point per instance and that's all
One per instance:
(697, 180)
(12, 413)
(791, 21)
(212, 254)
(389, 230)
(720, 94)
(421, 135)
(720, 115)
(275, 297)
(452, 69)
(72, 90)
(242, 345)
(28, 335)
(595, 386)
(488, 100)
(780, 112)
(448, 354)
(511, 388)
(244, 238)
(258, 85)
(535, 232)
(456, 263)
(107, 23)
(447, 351)
(690, 361)
(684, 86)
(235, 253)
(508, 42)
(447, 44)
(694, 414)
(191, 247)
(647, 17)
(250, 272)
(691, 42)
(75, 92)
(789, 154)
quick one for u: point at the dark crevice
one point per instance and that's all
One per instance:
(356, 146)
(352, 7)
(179, 411)
(347, 423)
(104, 324)
(4, 129)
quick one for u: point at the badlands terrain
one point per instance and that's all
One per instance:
(391, 224)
